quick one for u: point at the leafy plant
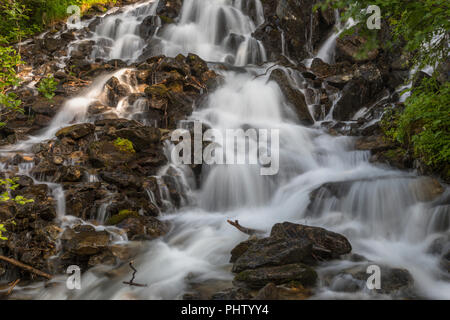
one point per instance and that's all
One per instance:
(47, 87)
(9, 61)
(421, 25)
(11, 185)
(124, 145)
(424, 125)
(2, 229)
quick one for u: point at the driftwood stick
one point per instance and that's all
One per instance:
(11, 288)
(131, 282)
(26, 267)
(245, 230)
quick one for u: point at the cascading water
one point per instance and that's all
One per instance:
(384, 220)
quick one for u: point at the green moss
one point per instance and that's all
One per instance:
(159, 90)
(122, 215)
(124, 145)
(166, 20)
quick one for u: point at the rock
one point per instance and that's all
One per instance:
(443, 71)
(322, 69)
(394, 281)
(122, 180)
(148, 26)
(258, 278)
(350, 48)
(292, 243)
(282, 292)
(43, 106)
(426, 188)
(115, 91)
(85, 242)
(71, 174)
(143, 228)
(302, 30)
(359, 91)
(76, 131)
(125, 251)
(373, 143)
(241, 248)
(142, 138)
(106, 154)
(294, 97)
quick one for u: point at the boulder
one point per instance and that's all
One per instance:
(350, 48)
(76, 131)
(143, 228)
(85, 241)
(291, 243)
(366, 83)
(294, 96)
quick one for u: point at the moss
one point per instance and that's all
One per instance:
(122, 215)
(157, 90)
(166, 19)
(124, 145)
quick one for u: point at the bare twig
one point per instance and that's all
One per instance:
(11, 288)
(25, 267)
(245, 230)
(131, 282)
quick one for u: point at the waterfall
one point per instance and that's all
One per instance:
(376, 209)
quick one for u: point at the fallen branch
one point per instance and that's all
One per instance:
(245, 230)
(11, 288)
(131, 282)
(25, 267)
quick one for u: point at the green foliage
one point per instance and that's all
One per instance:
(13, 23)
(424, 124)
(421, 25)
(10, 185)
(122, 215)
(124, 145)
(47, 87)
(9, 61)
(2, 229)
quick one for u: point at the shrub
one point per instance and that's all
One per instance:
(47, 87)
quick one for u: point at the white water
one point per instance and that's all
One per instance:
(380, 215)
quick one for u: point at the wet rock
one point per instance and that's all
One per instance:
(302, 30)
(148, 26)
(233, 294)
(373, 143)
(394, 281)
(142, 228)
(426, 188)
(293, 96)
(76, 131)
(359, 91)
(46, 107)
(258, 278)
(350, 48)
(115, 91)
(292, 243)
(85, 242)
(107, 154)
(322, 69)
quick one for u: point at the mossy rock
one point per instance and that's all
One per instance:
(124, 145)
(122, 215)
(158, 90)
